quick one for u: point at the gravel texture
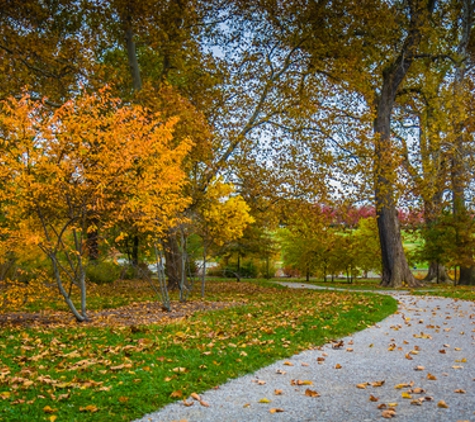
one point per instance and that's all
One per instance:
(435, 334)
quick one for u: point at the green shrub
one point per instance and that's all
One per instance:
(103, 272)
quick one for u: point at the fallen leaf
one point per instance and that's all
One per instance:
(406, 395)
(188, 403)
(52, 418)
(195, 396)
(388, 414)
(382, 406)
(281, 372)
(442, 404)
(264, 400)
(278, 392)
(378, 383)
(203, 403)
(49, 409)
(304, 364)
(349, 349)
(372, 398)
(460, 391)
(301, 382)
(89, 408)
(311, 393)
(362, 386)
(288, 363)
(431, 377)
(124, 399)
(175, 394)
(457, 367)
(419, 368)
(5, 395)
(276, 410)
(337, 366)
(400, 386)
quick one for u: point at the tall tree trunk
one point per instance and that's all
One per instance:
(458, 172)
(394, 263)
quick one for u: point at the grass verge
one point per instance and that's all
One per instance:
(122, 373)
(445, 290)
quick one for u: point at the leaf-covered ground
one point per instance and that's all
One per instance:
(121, 371)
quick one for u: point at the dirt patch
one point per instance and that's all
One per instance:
(137, 314)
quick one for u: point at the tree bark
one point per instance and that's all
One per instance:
(458, 172)
(132, 56)
(437, 273)
(173, 263)
(394, 263)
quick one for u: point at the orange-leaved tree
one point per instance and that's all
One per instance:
(93, 159)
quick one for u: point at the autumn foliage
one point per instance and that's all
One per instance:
(89, 165)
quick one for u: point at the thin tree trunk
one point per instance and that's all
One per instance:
(132, 56)
(135, 252)
(173, 260)
(203, 274)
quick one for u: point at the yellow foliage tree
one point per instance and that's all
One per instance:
(93, 159)
(223, 217)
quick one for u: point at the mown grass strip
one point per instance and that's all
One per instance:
(121, 373)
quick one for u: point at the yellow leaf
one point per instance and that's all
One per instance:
(49, 409)
(5, 395)
(406, 395)
(89, 408)
(52, 418)
(264, 400)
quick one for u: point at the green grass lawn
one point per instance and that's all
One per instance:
(447, 290)
(341, 283)
(83, 373)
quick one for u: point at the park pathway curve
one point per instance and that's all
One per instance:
(427, 348)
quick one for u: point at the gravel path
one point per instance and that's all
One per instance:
(427, 338)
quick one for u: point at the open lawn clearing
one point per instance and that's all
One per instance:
(120, 372)
(418, 364)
